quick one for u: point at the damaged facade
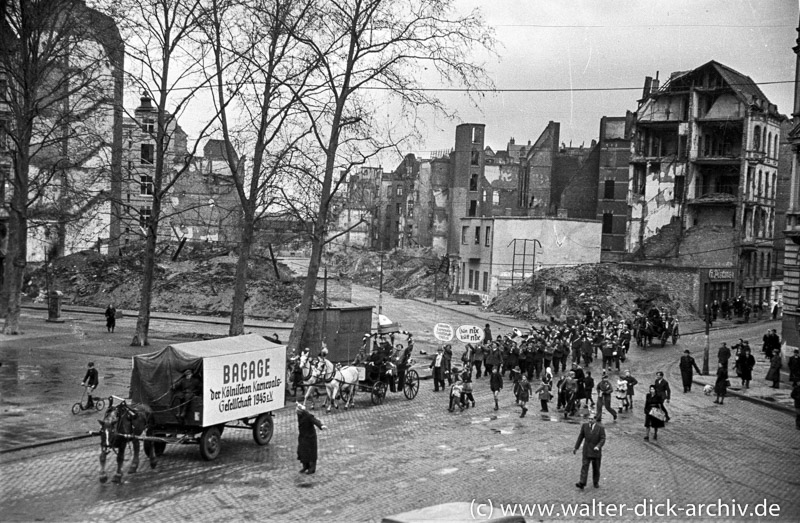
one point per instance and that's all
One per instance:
(703, 179)
(200, 206)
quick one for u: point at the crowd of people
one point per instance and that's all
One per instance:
(553, 362)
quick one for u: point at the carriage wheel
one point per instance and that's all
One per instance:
(210, 443)
(99, 404)
(378, 392)
(411, 385)
(675, 336)
(263, 429)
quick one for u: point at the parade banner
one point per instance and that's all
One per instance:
(443, 332)
(469, 334)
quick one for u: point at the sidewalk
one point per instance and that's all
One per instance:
(760, 390)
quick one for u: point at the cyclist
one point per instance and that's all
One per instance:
(90, 381)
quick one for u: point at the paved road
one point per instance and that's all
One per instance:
(379, 460)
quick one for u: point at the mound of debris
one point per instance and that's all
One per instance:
(407, 273)
(200, 282)
(567, 292)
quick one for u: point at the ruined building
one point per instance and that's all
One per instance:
(200, 205)
(703, 179)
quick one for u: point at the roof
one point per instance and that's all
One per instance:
(218, 347)
(745, 88)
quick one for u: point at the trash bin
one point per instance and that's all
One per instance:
(54, 306)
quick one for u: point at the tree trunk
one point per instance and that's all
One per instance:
(308, 295)
(17, 256)
(148, 277)
(240, 283)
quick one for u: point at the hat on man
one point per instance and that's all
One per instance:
(687, 351)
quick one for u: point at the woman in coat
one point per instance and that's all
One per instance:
(721, 385)
(653, 402)
(307, 439)
(744, 367)
(774, 372)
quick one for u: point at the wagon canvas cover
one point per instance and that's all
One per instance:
(242, 376)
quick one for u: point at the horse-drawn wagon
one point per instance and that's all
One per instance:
(238, 382)
(655, 325)
(385, 368)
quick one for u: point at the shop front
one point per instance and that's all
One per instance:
(716, 284)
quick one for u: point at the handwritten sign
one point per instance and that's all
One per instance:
(469, 334)
(443, 332)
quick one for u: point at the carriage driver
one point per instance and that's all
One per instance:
(187, 387)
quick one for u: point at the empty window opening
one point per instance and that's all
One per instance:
(608, 191)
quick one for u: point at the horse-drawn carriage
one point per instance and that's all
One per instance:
(385, 368)
(655, 325)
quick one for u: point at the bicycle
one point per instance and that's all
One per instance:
(99, 403)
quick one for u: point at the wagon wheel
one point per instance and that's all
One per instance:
(99, 404)
(664, 338)
(263, 429)
(378, 392)
(411, 385)
(675, 335)
(210, 443)
(76, 408)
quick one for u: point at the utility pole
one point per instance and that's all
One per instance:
(380, 289)
(325, 306)
(707, 347)
(436, 283)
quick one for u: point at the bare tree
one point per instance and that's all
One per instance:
(261, 70)
(165, 44)
(60, 65)
(369, 46)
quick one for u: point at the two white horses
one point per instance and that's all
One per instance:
(337, 380)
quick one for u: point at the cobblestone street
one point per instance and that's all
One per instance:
(403, 455)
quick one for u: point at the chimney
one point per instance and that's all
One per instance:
(656, 83)
(648, 84)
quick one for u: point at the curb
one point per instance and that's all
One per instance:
(774, 406)
(155, 315)
(46, 442)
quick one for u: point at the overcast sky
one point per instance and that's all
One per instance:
(568, 44)
(564, 44)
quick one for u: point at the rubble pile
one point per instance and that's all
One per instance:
(567, 292)
(199, 282)
(407, 273)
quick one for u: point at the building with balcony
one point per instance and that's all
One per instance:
(703, 178)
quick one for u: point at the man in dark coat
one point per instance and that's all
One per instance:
(307, 439)
(663, 390)
(594, 435)
(487, 335)
(794, 367)
(723, 355)
(687, 366)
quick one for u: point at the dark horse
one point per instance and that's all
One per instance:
(123, 423)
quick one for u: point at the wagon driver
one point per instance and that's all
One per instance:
(187, 387)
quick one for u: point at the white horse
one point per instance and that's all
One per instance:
(337, 379)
